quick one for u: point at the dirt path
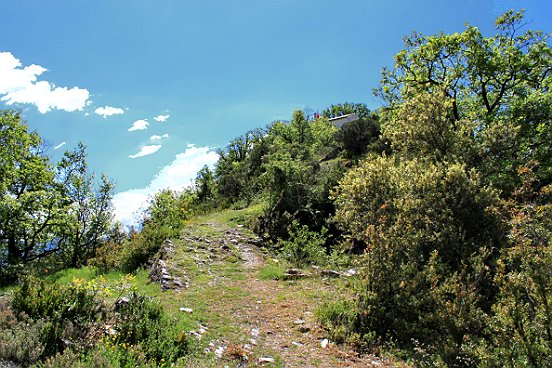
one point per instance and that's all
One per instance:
(277, 317)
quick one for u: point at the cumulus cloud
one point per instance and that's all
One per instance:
(177, 175)
(139, 125)
(146, 150)
(161, 118)
(106, 111)
(20, 85)
(60, 145)
(156, 137)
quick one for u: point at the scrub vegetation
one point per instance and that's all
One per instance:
(418, 234)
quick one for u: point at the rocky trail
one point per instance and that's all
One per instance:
(214, 274)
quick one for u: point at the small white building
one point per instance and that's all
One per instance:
(343, 119)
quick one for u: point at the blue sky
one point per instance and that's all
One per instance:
(153, 87)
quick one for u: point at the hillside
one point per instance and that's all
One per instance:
(239, 304)
(420, 231)
(243, 315)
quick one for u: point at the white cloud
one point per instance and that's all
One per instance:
(60, 145)
(139, 125)
(177, 175)
(20, 85)
(106, 111)
(156, 137)
(161, 118)
(146, 150)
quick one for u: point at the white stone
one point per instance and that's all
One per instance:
(265, 359)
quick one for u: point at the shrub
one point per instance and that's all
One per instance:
(68, 311)
(521, 325)
(338, 317)
(431, 241)
(142, 323)
(20, 340)
(304, 246)
(134, 252)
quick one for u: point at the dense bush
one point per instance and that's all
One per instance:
(20, 338)
(520, 327)
(142, 322)
(304, 246)
(431, 239)
(71, 325)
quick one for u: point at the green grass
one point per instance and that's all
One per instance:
(271, 272)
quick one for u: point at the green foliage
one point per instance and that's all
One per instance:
(20, 340)
(71, 325)
(272, 272)
(360, 109)
(205, 186)
(449, 271)
(27, 188)
(360, 137)
(164, 219)
(90, 212)
(338, 318)
(239, 167)
(423, 127)
(140, 247)
(497, 86)
(50, 217)
(521, 324)
(429, 236)
(303, 246)
(63, 313)
(143, 322)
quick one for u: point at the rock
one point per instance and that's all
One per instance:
(294, 273)
(121, 302)
(295, 343)
(265, 359)
(255, 332)
(219, 352)
(350, 272)
(330, 273)
(186, 310)
(196, 334)
(298, 322)
(324, 343)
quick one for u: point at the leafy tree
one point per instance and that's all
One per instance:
(239, 167)
(204, 184)
(31, 207)
(360, 109)
(493, 83)
(359, 137)
(49, 215)
(89, 215)
(300, 127)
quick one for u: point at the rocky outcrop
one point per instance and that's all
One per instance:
(159, 269)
